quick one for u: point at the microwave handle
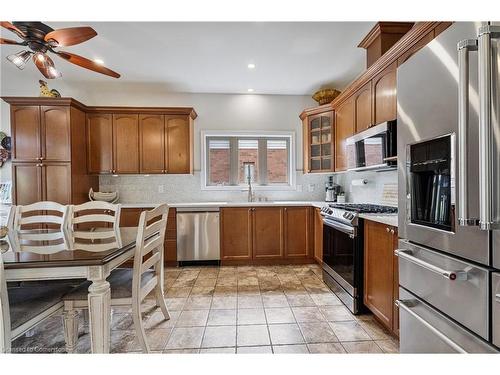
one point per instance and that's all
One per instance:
(486, 214)
(464, 47)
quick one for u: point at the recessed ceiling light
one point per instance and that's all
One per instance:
(250, 90)
(99, 61)
(251, 66)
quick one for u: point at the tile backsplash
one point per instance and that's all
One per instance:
(187, 188)
(381, 188)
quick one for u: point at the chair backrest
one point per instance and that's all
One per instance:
(150, 241)
(95, 212)
(40, 213)
(95, 240)
(11, 213)
(39, 243)
(5, 334)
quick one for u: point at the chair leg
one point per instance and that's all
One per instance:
(160, 301)
(139, 329)
(70, 318)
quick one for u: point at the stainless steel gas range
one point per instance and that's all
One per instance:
(343, 250)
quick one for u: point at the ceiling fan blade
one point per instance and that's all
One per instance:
(9, 41)
(14, 29)
(45, 65)
(71, 35)
(86, 63)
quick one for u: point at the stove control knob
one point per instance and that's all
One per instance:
(330, 212)
(351, 216)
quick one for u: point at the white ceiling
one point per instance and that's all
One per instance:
(202, 57)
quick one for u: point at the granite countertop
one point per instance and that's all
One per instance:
(388, 219)
(318, 204)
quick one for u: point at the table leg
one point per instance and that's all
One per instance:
(100, 310)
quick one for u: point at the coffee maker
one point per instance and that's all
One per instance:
(332, 190)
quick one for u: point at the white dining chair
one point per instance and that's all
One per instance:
(44, 212)
(23, 307)
(129, 287)
(97, 213)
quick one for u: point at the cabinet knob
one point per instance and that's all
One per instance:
(392, 231)
(387, 230)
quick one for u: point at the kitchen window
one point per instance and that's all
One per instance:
(224, 155)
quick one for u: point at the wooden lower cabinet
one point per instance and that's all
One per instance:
(380, 272)
(297, 231)
(130, 218)
(27, 183)
(35, 182)
(318, 236)
(236, 233)
(56, 182)
(266, 235)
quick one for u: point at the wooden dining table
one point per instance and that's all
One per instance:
(91, 254)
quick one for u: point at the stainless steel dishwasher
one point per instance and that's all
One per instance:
(198, 234)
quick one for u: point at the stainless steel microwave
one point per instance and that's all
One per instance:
(373, 148)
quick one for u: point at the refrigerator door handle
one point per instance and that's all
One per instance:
(450, 275)
(402, 304)
(464, 47)
(487, 219)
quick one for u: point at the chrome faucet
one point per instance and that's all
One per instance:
(248, 167)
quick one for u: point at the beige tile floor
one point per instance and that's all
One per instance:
(264, 309)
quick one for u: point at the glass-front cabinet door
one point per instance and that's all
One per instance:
(320, 142)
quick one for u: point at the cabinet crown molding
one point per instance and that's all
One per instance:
(26, 100)
(385, 28)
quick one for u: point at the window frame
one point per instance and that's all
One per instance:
(289, 136)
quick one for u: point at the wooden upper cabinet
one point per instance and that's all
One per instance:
(152, 143)
(297, 238)
(27, 187)
(267, 232)
(344, 128)
(56, 182)
(384, 95)
(100, 142)
(378, 271)
(126, 143)
(318, 235)
(236, 233)
(179, 144)
(318, 140)
(26, 133)
(56, 133)
(363, 107)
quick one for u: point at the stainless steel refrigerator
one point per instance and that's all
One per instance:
(449, 193)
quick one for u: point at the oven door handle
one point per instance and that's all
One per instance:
(450, 275)
(347, 229)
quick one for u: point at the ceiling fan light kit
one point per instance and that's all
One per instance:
(20, 59)
(40, 39)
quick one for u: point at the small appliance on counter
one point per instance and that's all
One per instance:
(332, 190)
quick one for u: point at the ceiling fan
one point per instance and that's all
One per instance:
(40, 39)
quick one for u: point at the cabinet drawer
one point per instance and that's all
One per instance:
(496, 308)
(425, 330)
(457, 288)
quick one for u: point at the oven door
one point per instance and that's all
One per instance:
(340, 254)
